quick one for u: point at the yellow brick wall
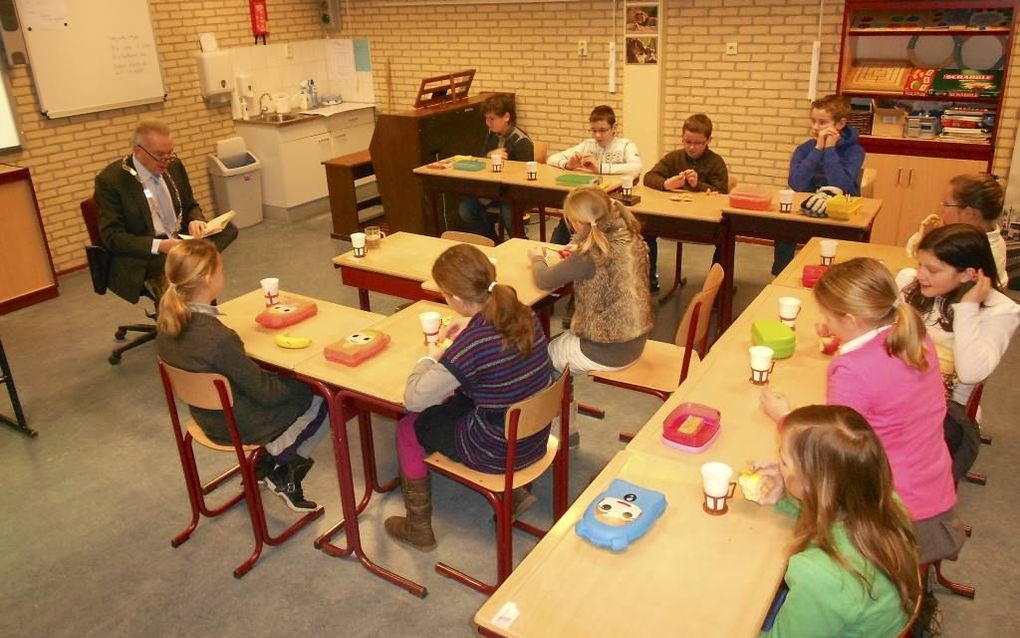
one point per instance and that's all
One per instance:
(65, 154)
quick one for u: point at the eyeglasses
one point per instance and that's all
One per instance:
(695, 144)
(161, 158)
(597, 131)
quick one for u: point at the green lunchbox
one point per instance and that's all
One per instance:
(573, 179)
(774, 335)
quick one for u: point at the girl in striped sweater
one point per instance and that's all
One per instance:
(458, 395)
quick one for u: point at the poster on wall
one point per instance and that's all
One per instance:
(642, 32)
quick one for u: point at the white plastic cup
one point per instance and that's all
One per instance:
(358, 244)
(497, 162)
(789, 308)
(786, 201)
(762, 360)
(270, 289)
(717, 486)
(430, 322)
(627, 184)
(827, 248)
(532, 171)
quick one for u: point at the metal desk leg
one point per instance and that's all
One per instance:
(18, 423)
(363, 301)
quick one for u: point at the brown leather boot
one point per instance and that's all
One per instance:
(416, 528)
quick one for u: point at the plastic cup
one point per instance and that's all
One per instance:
(270, 289)
(762, 361)
(430, 322)
(827, 248)
(497, 162)
(717, 486)
(789, 308)
(532, 171)
(373, 237)
(358, 244)
(786, 201)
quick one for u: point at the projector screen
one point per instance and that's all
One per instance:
(10, 134)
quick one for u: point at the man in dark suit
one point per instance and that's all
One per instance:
(145, 201)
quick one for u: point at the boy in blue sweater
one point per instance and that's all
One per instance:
(832, 157)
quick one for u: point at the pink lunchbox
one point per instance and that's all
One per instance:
(691, 427)
(751, 197)
(811, 274)
(286, 313)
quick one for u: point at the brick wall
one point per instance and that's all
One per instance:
(65, 154)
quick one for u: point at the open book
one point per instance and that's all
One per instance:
(213, 226)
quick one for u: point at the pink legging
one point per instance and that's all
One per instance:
(409, 451)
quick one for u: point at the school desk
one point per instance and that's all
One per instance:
(377, 386)
(895, 258)
(691, 575)
(330, 323)
(483, 184)
(792, 227)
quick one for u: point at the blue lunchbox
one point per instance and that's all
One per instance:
(620, 515)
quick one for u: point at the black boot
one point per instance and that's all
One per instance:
(264, 465)
(285, 480)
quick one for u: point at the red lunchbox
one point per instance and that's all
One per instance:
(691, 427)
(286, 313)
(811, 274)
(751, 197)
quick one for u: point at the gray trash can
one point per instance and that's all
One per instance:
(237, 185)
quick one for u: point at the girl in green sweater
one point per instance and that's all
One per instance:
(853, 566)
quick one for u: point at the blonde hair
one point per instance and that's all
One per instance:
(465, 272)
(590, 206)
(188, 266)
(845, 477)
(863, 288)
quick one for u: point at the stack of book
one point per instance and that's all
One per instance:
(967, 124)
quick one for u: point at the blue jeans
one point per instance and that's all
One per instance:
(473, 212)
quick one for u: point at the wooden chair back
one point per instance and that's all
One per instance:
(537, 411)
(693, 328)
(868, 177)
(198, 389)
(467, 238)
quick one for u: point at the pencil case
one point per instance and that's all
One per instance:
(691, 427)
(286, 313)
(355, 348)
(775, 335)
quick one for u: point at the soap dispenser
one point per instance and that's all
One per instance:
(313, 95)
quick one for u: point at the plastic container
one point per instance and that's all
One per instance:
(811, 274)
(751, 197)
(775, 335)
(353, 349)
(691, 427)
(237, 182)
(620, 515)
(286, 313)
(842, 207)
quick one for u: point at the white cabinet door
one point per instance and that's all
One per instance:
(304, 178)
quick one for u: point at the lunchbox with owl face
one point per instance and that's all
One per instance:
(355, 348)
(620, 515)
(286, 312)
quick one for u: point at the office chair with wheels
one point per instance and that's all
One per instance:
(99, 268)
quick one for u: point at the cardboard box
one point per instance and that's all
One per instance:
(888, 122)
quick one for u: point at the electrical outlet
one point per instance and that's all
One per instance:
(582, 48)
(731, 48)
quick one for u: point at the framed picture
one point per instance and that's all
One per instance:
(642, 50)
(642, 18)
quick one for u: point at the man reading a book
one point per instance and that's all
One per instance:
(145, 204)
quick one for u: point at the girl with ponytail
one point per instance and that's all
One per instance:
(887, 370)
(458, 395)
(277, 413)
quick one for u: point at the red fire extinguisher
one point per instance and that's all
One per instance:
(259, 19)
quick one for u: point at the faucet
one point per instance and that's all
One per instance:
(264, 109)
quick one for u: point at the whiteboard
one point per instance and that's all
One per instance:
(91, 55)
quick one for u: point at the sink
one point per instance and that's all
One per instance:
(280, 118)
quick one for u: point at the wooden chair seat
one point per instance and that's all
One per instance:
(494, 482)
(467, 238)
(656, 369)
(197, 433)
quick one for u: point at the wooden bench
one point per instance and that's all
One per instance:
(341, 172)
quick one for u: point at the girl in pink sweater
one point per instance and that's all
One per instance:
(888, 371)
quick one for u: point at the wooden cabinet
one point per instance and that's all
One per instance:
(911, 188)
(26, 269)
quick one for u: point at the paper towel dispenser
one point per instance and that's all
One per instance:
(215, 74)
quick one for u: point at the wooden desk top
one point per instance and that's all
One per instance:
(691, 575)
(861, 220)
(406, 255)
(895, 258)
(513, 268)
(706, 206)
(484, 175)
(383, 375)
(259, 342)
(721, 381)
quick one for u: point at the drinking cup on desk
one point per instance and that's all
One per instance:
(358, 244)
(430, 322)
(373, 237)
(717, 487)
(786, 201)
(827, 247)
(762, 362)
(532, 171)
(627, 185)
(789, 308)
(270, 289)
(497, 162)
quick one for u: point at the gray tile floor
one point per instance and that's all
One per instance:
(91, 504)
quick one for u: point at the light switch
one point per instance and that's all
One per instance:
(582, 48)
(731, 48)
